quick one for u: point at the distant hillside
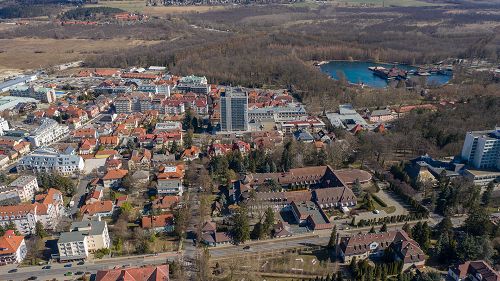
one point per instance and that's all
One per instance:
(91, 13)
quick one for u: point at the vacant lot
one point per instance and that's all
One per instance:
(140, 6)
(32, 53)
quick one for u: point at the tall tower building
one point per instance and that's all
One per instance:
(482, 149)
(234, 110)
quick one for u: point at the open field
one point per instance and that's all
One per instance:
(381, 3)
(140, 6)
(32, 53)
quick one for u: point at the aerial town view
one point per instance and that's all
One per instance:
(279, 140)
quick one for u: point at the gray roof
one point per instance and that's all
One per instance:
(74, 236)
(18, 80)
(88, 227)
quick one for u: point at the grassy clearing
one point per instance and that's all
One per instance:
(33, 53)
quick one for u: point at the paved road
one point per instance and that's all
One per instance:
(318, 238)
(81, 189)
(58, 270)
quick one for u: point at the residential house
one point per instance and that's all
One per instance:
(211, 237)
(362, 246)
(99, 208)
(478, 270)
(159, 223)
(109, 142)
(140, 159)
(148, 273)
(169, 186)
(12, 248)
(166, 203)
(191, 153)
(113, 178)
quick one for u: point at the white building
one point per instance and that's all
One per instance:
(49, 160)
(4, 126)
(23, 216)
(481, 149)
(49, 208)
(168, 126)
(83, 237)
(21, 190)
(47, 133)
(278, 113)
(169, 187)
(12, 248)
(72, 246)
(47, 95)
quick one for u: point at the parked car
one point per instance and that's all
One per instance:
(68, 265)
(13, 270)
(81, 263)
(246, 248)
(69, 273)
(47, 267)
(376, 211)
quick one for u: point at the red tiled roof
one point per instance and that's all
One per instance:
(115, 174)
(9, 243)
(149, 273)
(157, 221)
(97, 207)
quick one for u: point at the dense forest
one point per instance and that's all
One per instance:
(92, 13)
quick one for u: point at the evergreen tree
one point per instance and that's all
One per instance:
(40, 230)
(268, 221)
(486, 198)
(241, 228)
(188, 139)
(383, 228)
(356, 188)
(332, 243)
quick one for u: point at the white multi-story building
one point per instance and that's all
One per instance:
(278, 113)
(49, 208)
(4, 126)
(47, 95)
(83, 237)
(72, 246)
(12, 248)
(49, 160)
(21, 190)
(24, 217)
(47, 133)
(481, 149)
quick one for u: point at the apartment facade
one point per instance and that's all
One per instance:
(234, 110)
(481, 149)
(47, 133)
(24, 217)
(83, 238)
(48, 160)
(24, 188)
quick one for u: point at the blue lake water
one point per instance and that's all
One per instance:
(357, 72)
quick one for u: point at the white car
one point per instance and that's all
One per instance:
(376, 212)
